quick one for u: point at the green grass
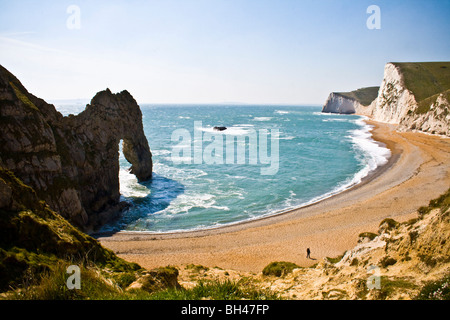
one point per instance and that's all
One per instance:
(196, 268)
(217, 290)
(52, 285)
(364, 96)
(33, 239)
(424, 105)
(95, 285)
(22, 97)
(425, 80)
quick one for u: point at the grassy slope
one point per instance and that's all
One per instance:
(34, 239)
(364, 96)
(425, 80)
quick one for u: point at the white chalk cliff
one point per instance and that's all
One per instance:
(337, 103)
(397, 104)
(423, 105)
(357, 101)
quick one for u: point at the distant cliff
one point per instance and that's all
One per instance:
(415, 96)
(357, 101)
(72, 162)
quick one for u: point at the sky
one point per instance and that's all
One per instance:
(215, 51)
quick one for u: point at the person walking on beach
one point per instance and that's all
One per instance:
(308, 252)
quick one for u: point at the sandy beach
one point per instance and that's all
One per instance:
(418, 171)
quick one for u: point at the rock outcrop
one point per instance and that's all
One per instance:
(72, 162)
(357, 101)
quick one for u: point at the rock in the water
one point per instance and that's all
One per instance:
(72, 162)
(220, 128)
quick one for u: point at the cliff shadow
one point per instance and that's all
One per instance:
(162, 191)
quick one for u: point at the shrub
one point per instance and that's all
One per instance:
(217, 290)
(387, 261)
(369, 235)
(337, 259)
(279, 269)
(354, 262)
(52, 286)
(160, 279)
(436, 290)
(388, 224)
(413, 235)
(197, 267)
(423, 211)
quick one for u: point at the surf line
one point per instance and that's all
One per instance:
(232, 147)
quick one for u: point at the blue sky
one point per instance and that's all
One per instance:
(214, 51)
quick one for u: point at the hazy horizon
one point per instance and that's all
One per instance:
(287, 52)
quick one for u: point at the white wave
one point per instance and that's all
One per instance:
(181, 117)
(129, 186)
(291, 199)
(375, 154)
(262, 118)
(335, 120)
(160, 152)
(328, 114)
(180, 160)
(179, 174)
(286, 138)
(185, 202)
(281, 112)
(371, 153)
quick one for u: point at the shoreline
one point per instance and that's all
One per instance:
(209, 230)
(299, 225)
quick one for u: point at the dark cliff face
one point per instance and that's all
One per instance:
(72, 162)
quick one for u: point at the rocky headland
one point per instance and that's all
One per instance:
(72, 162)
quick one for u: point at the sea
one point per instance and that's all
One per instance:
(270, 159)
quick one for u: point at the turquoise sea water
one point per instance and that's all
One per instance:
(318, 155)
